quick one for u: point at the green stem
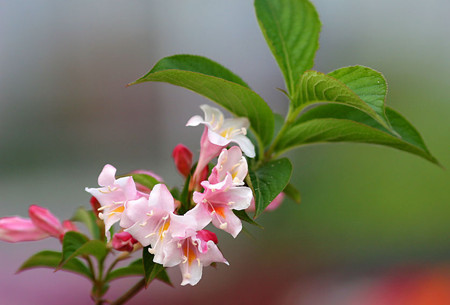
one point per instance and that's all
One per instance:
(290, 118)
(130, 293)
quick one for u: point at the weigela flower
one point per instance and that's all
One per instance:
(230, 161)
(154, 221)
(217, 202)
(218, 133)
(223, 131)
(192, 253)
(112, 195)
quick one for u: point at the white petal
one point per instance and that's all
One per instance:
(195, 121)
(245, 144)
(216, 138)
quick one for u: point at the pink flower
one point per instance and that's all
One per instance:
(192, 253)
(272, 206)
(217, 202)
(123, 241)
(223, 131)
(218, 133)
(15, 229)
(112, 196)
(230, 161)
(155, 224)
(182, 157)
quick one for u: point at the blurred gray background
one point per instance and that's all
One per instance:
(365, 211)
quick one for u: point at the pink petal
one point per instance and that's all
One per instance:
(107, 176)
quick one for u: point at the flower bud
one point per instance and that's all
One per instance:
(183, 159)
(272, 206)
(95, 205)
(15, 229)
(45, 220)
(123, 241)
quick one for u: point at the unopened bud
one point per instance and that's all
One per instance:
(15, 229)
(123, 241)
(45, 220)
(183, 159)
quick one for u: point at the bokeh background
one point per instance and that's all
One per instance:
(374, 223)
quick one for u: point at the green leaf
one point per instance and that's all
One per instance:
(225, 91)
(242, 214)
(151, 269)
(268, 181)
(343, 130)
(51, 259)
(195, 63)
(72, 242)
(145, 180)
(291, 29)
(76, 244)
(292, 193)
(175, 193)
(316, 87)
(164, 277)
(184, 197)
(368, 84)
(89, 219)
(136, 268)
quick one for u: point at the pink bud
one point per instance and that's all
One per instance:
(45, 220)
(95, 205)
(69, 226)
(123, 241)
(272, 206)
(183, 159)
(15, 229)
(207, 235)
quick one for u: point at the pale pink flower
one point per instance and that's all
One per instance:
(112, 195)
(230, 161)
(155, 224)
(217, 203)
(192, 253)
(272, 206)
(223, 131)
(123, 241)
(182, 156)
(16, 229)
(218, 133)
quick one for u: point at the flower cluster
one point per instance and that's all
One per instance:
(153, 218)
(171, 227)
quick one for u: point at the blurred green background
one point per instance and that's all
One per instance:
(365, 211)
